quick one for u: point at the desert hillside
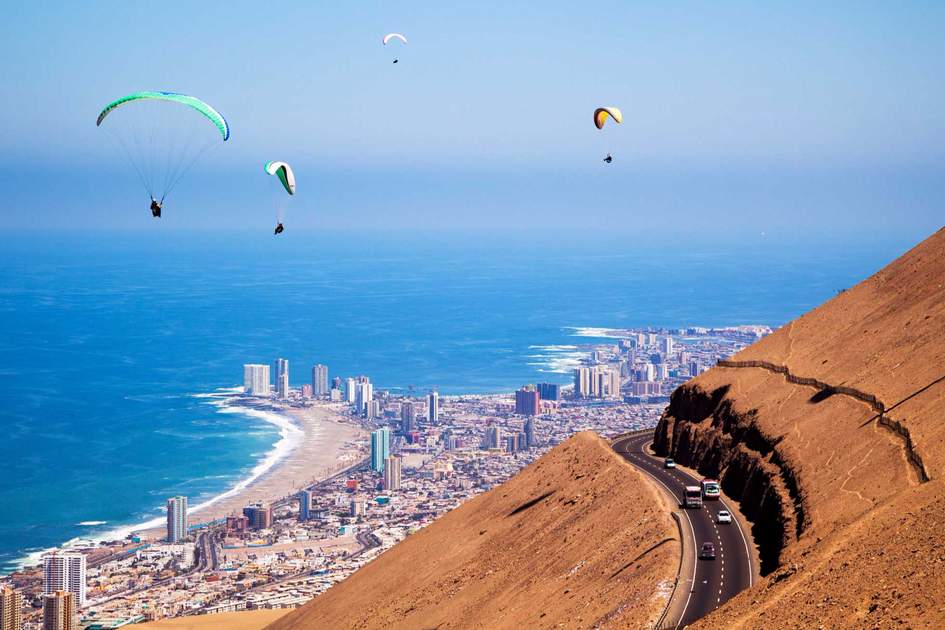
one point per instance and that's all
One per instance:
(828, 432)
(575, 540)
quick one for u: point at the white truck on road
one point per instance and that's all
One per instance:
(692, 497)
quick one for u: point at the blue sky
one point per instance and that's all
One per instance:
(738, 116)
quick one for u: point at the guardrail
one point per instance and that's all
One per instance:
(661, 623)
(633, 433)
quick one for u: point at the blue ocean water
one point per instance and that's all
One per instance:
(105, 338)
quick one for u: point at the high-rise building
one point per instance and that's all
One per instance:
(433, 407)
(351, 387)
(527, 401)
(65, 572)
(666, 345)
(549, 391)
(408, 417)
(256, 379)
(320, 380)
(59, 611)
(280, 367)
(282, 387)
(363, 397)
(305, 504)
(582, 382)
(392, 473)
(529, 429)
(380, 448)
(597, 382)
(176, 519)
(11, 609)
(493, 437)
(259, 515)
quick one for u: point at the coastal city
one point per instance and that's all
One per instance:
(402, 461)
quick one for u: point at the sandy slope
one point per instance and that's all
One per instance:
(576, 540)
(831, 429)
(248, 620)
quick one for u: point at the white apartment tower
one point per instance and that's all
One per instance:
(65, 572)
(392, 473)
(176, 519)
(256, 379)
(364, 395)
(320, 380)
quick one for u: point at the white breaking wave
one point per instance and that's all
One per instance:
(290, 436)
(92, 523)
(608, 333)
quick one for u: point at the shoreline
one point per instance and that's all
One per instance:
(313, 442)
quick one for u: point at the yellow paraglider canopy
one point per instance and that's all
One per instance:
(602, 113)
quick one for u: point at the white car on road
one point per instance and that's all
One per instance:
(724, 516)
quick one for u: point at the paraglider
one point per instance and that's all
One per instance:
(391, 36)
(163, 134)
(286, 178)
(601, 114)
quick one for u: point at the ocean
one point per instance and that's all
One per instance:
(115, 346)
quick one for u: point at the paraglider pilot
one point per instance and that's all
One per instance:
(279, 229)
(155, 207)
(608, 159)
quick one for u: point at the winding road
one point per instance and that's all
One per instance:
(709, 583)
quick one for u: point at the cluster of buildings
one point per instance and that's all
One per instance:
(647, 365)
(425, 455)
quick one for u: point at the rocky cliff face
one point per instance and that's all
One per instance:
(827, 434)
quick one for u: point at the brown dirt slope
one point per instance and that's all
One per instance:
(829, 434)
(248, 620)
(575, 540)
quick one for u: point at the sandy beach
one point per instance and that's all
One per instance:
(327, 445)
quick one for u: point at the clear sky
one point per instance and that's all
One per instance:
(747, 116)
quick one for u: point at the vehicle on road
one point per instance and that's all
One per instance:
(711, 490)
(669, 463)
(707, 552)
(724, 516)
(692, 497)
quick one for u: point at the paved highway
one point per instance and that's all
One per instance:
(710, 583)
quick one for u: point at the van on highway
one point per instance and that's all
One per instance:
(692, 497)
(711, 490)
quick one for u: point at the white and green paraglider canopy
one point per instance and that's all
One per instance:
(284, 172)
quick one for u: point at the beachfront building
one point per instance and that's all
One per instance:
(380, 448)
(305, 505)
(320, 380)
(392, 473)
(597, 382)
(364, 395)
(259, 515)
(433, 407)
(65, 572)
(280, 367)
(59, 611)
(11, 609)
(282, 387)
(256, 379)
(176, 519)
